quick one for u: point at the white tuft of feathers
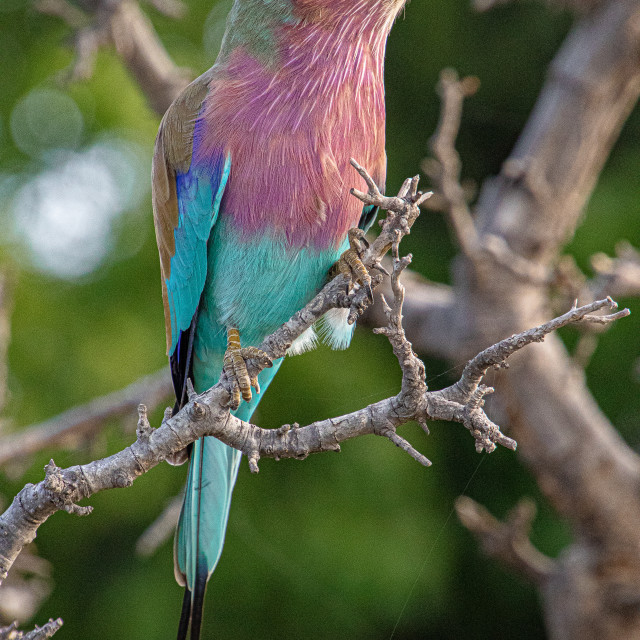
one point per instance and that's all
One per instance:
(334, 329)
(306, 341)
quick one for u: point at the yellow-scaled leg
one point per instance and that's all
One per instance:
(235, 367)
(350, 262)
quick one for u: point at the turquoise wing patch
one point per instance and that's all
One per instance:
(199, 192)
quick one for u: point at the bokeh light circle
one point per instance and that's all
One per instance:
(46, 119)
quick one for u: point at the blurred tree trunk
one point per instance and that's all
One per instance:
(581, 464)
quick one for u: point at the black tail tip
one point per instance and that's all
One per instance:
(185, 615)
(192, 608)
(197, 606)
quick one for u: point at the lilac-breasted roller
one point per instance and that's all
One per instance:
(251, 200)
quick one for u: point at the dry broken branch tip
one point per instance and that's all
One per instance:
(39, 633)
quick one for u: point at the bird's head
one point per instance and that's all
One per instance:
(256, 22)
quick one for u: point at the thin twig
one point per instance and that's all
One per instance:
(446, 171)
(619, 276)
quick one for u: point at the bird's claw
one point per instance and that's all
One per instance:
(350, 262)
(235, 368)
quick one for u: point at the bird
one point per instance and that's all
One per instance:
(250, 187)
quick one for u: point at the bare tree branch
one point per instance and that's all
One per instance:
(483, 252)
(62, 492)
(64, 10)
(446, 166)
(39, 633)
(511, 243)
(144, 55)
(171, 8)
(430, 313)
(620, 275)
(593, 84)
(208, 413)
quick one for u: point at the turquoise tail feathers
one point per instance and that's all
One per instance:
(213, 468)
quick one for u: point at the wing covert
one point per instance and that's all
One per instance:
(186, 201)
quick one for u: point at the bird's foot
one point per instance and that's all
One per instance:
(235, 367)
(350, 262)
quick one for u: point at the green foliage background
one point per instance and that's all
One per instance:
(338, 546)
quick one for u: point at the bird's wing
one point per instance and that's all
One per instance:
(186, 202)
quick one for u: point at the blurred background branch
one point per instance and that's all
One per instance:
(507, 541)
(123, 25)
(28, 586)
(6, 305)
(75, 427)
